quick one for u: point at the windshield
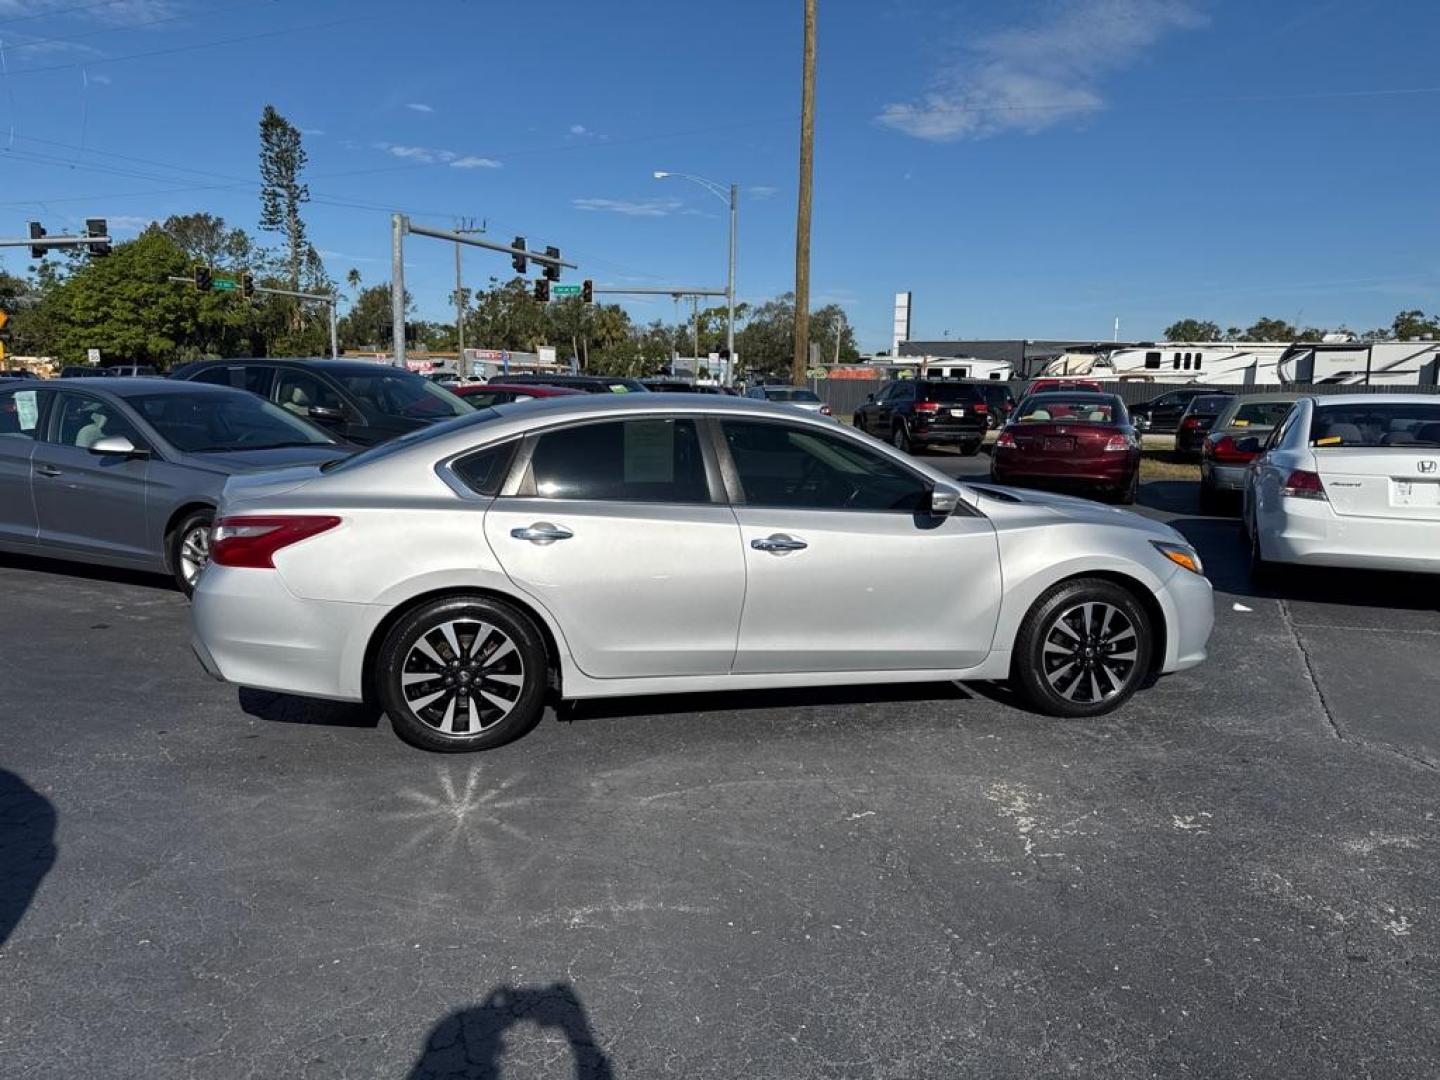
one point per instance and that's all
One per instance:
(1073, 410)
(1388, 424)
(399, 393)
(205, 423)
(785, 393)
(409, 439)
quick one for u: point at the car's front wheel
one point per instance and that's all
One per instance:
(462, 673)
(1083, 649)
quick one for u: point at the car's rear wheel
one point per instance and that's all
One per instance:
(1083, 649)
(859, 422)
(970, 449)
(462, 673)
(1131, 491)
(190, 548)
(900, 437)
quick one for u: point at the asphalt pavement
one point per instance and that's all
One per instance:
(1233, 876)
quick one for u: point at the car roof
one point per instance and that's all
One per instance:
(149, 384)
(319, 363)
(1374, 399)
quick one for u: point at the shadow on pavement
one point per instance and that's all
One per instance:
(741, 700)
(290, 709)
(27, 847)
(87, 571)
(468, 1044)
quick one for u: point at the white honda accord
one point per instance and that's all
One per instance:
(1349, 480)
(658, 543)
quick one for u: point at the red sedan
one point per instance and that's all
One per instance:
(1071, 439)
(1045, 386)
(483, 395)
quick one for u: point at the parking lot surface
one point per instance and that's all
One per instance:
(1234, 875)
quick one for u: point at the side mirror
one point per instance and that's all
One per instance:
(326, 415)
(117, 446)
(943, 501)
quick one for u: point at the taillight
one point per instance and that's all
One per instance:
(1304, 485)
(1119, 442)
(1191, 422)
(1225, 450)
(253, 541)
(1006, 441)
(927, 406)
(825, 411)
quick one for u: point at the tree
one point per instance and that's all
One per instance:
(282, 160)
(353, 279)
(1271, 330)
(1192, 330)
(369, 322)
(205, 239)
(830, 329)
(1409, 325)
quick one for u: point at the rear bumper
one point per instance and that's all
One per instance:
(1008, 464)
(1312, 534)
(947, 433)
(250, 630)
(1224, 477)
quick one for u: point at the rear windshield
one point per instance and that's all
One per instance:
(1073, 410)
(946, 392)
(1365, 424)
(1261, 414)
(399, 393)
(785, 393)
(1210, 405)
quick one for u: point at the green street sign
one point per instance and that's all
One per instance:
(560, 292)
(224, 284)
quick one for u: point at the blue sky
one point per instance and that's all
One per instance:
(1029, 168)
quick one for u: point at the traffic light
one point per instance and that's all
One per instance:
(37, 251)
(518, 261)
(587, 291)
(99, 232)
(542, 290)
(203, 280)
(552, 270)
(247, 284)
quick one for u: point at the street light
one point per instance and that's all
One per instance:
(730, 195)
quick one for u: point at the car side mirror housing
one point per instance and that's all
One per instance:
(943, 501)
(326, 415)
(117, 446)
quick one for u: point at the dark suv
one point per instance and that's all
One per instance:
(361, 401)
(1162, 414)
(916, 413)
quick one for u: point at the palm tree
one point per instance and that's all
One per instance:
(353, 279)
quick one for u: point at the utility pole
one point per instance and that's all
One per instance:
(802, 223)
(463, 226)
(695, 317)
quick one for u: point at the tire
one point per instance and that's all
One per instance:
(1264, 574)
(513, 669)
(971, 449)
(190, 548)
(1044, 661)
(1130, 492)
(900, 438)
(858, 421)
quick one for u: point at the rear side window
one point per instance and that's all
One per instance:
(484, 471)
(19, 413)
(650, 460)
(1209, 406)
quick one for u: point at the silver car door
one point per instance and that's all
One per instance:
(845, 570)
(19, 420)
(619, 529)
(87, 502)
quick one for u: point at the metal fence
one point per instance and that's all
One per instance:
(844, 396)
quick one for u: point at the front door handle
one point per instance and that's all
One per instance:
(542, 532)
(778, 544)
(47, 470)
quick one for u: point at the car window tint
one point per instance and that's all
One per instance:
(19, 413)
(207, 422)
(484, 471)
(218, 375)
(798, 468)
(626, 460)
(299, 391)
(82, 421)
(255, 378)
(399, 393)
(1260, 414)
(946, 392)
(1410, 423)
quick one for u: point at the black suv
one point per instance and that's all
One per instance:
(1162, 414)
(361, 401)
(916, 413)
(590, 384)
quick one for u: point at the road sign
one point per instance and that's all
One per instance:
(564, 292)
(92, 355)
(224, 284)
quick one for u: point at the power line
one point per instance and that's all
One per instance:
(33, 42)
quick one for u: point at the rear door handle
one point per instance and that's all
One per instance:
(47, 470)
(779, 543)
(542, 532)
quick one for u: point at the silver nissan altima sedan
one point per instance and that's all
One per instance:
(661, 543)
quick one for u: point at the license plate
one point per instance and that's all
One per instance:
(1062, 445)
(957, 412)
(1415, 493)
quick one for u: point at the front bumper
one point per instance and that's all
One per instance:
(1189, 603)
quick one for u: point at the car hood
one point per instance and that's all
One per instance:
(231, 462)
(1013, 506)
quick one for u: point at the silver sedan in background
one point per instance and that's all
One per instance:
(127, 472)
(662, 543)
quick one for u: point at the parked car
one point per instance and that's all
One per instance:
(999, 399)
(1234, 441)
(360, 401)
(1161, 415)
(1046, 385)
(467, 571)
(913, 414)
(1348, 481)
(16, 373)
(132, 371)
(590, 384)
(1078, 440)
(1196, 421)
(483, 395)
(798, 396)
(76, 371)
(680, 386)
(128, 472)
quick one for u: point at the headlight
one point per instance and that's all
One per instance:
(1181, 555)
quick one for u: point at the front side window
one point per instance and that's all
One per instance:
(649, 460)
(801, 469)
(82, 421)
(20, 413)
(299, 391)
(211, 423)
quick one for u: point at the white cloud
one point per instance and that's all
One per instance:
(427, 155)
(116, 13)
(579, 129)
(631, 208)
(469, 161)
(762, 191)
(102, 80)
(420, 106)
(1028, 78)
(129, 223)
